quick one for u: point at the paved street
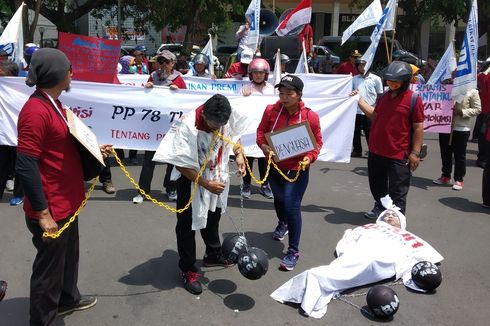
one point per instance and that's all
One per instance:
(128, 254)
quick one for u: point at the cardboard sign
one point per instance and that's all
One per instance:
(84, 135)
(291, 141)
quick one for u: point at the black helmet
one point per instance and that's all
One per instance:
(383, 301)
(359, 61)
(426, 275)
(233, 246)
(397, 71)
(253, 264)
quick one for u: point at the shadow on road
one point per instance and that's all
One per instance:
(463, 205)
(14, 311)
(161, 273)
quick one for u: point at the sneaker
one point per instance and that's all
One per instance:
(16, 201)
(290, 260)
(481, 164)
(108, 187)
(86, 301)
(219, 260)
(280, 231)
(266, 192)
(356, 154)
(458, 185)
(485, 205)
(443, 181)
(9, 186)
(374, 213)
(172, 195)
(246, 193)
(137, 199)
(191, 282)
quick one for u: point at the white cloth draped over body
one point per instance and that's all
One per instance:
(186, 146)
(366, 254)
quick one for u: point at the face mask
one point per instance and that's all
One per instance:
(393, 85)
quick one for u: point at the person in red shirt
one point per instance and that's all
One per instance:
(395, 139)
(486, 172)
(306, 35)
(238, 70)
(484, 91)
(50, 169)
(349, 66)
(288, 111)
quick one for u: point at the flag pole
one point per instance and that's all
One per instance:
(388, 55)
(305, 59)
(393, 35)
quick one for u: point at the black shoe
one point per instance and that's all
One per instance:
(191, 282)
(212, 261)
(86, 301)
(356, 154)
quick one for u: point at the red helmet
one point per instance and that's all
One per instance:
(258, 64)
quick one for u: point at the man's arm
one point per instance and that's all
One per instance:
(417, 139)
(367, 109)
(215, 187)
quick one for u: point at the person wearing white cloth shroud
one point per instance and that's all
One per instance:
(186, 146)
(367, 254)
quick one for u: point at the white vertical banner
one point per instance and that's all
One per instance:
(14, 33)
(302, 67)
(277, 69)
(465, 78)
(446, 65)
(208, 51)
(388, 13)
(253, 16)
(370, 16)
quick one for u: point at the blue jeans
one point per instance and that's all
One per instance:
(287, 201)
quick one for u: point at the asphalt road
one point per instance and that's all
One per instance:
(128, 254)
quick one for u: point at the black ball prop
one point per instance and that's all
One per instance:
(3, 289)
(426, 275)
(233, 246)
(382, 301)
(253, 264)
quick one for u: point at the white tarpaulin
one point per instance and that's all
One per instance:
(315, 84)
(367, 254)
(137, 118)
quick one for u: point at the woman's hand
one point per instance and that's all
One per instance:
(149, 84)
(240, 163)
(266, 149)
(105, 150)
(305, 163)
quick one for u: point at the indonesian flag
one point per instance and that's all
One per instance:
(299, 16)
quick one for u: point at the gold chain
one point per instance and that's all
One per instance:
(269, 162)
(216, 135)
(72, 219)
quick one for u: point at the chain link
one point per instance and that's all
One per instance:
(72, 219)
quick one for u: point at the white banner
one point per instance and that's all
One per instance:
(137, 118)
(253, 16)
(370, 16)
(315, 84)
(465, 78)
(445, 67)
(13, 33)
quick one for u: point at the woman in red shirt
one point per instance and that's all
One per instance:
(289, 110)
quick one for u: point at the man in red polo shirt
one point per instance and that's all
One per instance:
(50, 170)
(395, 139)
(349, 66)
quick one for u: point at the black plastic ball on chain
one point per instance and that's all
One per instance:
(383, 301)
(233, 246)
(426, 275)
(253, 264)
(3, 289)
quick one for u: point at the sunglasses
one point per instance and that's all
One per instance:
(163, 61)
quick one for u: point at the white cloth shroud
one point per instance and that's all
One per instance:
(186, 146)
(366, 254)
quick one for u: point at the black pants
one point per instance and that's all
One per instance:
(486, 179)
(54, 273)
(186, 237)
(483, 151)
(456, 149)
(362, 123)
(478, 123)
(132, 153)
(7, 170)
(389, 177)
(147, 170)
(247, 178)
(105, 173)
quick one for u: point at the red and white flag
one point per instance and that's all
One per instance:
(299, 16)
